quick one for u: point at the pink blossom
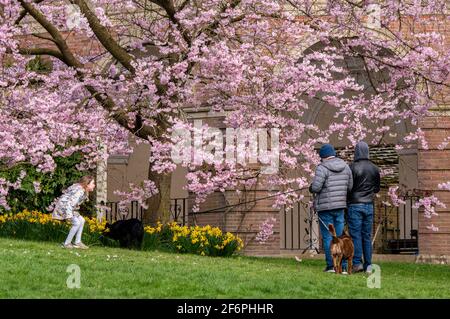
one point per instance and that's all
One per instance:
(444, 186)
(260, 64)
(265, 230)
(396, 200)
(37, 187)
(444, 143)
(429, 203)
(138, 193)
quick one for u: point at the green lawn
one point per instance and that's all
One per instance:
(38, 270)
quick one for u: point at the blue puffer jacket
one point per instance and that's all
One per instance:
(331, 183)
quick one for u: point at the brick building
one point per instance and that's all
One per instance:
(397, 230)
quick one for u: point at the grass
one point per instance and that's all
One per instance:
(38, 270)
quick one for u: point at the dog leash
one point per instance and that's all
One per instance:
(323, 223)
(320, 219)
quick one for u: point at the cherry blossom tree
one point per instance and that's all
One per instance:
(251, 60)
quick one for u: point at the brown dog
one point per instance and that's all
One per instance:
(341, 248)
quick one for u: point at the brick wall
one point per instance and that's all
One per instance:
(242, 220)
(79, 44)
(434, 168)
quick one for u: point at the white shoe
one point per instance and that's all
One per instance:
(67, 246)
(369, 269)
(80, 246)
(330, 270)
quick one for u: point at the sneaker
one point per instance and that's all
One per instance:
(80, 246)
(344, 272)
(357, 268)
(329, 269)
(67, 246)
(369, 269)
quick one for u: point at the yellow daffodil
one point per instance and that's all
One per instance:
(204, 236)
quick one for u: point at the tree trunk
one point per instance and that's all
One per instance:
(159, 204)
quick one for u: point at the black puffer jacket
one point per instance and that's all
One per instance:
(366, 176)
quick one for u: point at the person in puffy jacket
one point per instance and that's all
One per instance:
(66, 208)
(366, 182)
(331, 184)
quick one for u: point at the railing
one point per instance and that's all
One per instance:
(300, 224)
(115, 212)
(400, 227)
(178, 211)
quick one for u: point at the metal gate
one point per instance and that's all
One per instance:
(114, 212)
(179, 211)
(300, 227)
(397, 226)
(400, 227)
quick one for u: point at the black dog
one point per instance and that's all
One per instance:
(129, 233)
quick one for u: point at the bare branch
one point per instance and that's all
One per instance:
(23, 13)
(41, 51)
(169, 7)
(43, 37)
(69, 58)
(104, 36)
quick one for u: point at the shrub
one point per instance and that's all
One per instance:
(205, 241)
(33, 225)
(51, 185)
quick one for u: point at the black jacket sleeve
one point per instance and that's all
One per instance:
(377, 182)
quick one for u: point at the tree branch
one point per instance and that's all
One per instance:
(69, 58)
(183, 5)
(104, 36)
(41, 51)
(43, 37)
(23, 13)
(215, 23)
(169, 7)
(66, 55)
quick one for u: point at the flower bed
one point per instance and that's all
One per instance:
(34, 225)
(205, 241)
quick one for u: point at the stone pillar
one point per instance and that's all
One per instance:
(433, 169)
(102, 185)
